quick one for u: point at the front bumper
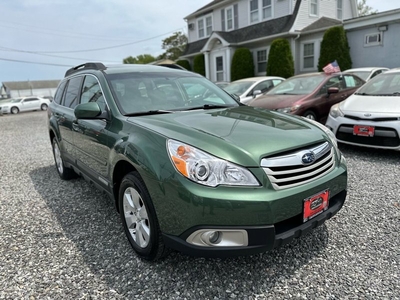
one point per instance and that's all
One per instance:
(260, 238)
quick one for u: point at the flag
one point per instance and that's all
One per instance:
(333, 67)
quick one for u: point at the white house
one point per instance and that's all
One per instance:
(222, 26)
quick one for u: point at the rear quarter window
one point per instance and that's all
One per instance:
(59, 92)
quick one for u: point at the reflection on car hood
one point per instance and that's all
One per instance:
(241, 134)
(372, 104)
(276, 101)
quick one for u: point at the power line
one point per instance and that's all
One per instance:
(38, 63)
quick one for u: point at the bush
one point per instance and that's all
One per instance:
(335, 46)
(199, 65)
(242, 64)
(280, 59)
(184, 63)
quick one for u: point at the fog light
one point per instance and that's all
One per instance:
(219, 238)
(215, 237)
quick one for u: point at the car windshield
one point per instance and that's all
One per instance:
(16, 100)
(152, 93)
(238, 88)
(362, 74)
(386, 84)
(300, 85)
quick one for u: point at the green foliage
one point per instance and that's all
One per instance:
(140, 59)
(364, 9)
(184, 63)
(174, 46)
(242, 64)
(335, 46)
(199, 65)
(280, 59)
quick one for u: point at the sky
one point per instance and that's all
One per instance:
(41, 39)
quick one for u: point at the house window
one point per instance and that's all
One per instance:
(253, 11)
(267, 9)
(314, 7)
(308, 56)
(261, 61)
(374, 39)
(340, 9)
(204, 26)
(229, 18)
(220, 68)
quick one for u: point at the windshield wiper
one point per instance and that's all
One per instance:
(149, 112)
(209, 106)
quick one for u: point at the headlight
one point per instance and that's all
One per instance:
(206, 169)
(335, 111)
(329, 133)
(289, 110)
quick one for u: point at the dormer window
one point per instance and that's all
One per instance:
(265, 13)
(340, 9)
(314, 7)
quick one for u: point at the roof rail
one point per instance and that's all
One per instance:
(89, 65)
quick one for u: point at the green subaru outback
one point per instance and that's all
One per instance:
(188, 167)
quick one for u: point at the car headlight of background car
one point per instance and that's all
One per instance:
(289, 110)
(206, 169)
(335, 111)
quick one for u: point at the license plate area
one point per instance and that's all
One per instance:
(364, 130)
(315, 205)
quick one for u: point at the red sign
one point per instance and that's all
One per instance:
(315, 205)
(364, 130)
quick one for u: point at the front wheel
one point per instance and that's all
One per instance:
(139, 218)
(64, 172)
(14, 110)
(310, 115)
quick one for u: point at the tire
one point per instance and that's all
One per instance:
(14, 110)
(310, 115)
(139, 218)
(43, 107)
(64, 172)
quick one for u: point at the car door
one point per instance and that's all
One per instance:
(64, 114)
(30, 103)
(91, 136)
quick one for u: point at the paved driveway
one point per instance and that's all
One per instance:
(63, 240)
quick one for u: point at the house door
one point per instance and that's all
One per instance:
(219, 68)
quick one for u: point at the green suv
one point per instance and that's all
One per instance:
(188, 167)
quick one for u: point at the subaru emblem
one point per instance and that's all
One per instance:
(308, 158)
(367, 115)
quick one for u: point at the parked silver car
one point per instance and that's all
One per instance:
(24, 104)
(367, 73)
(371, 116)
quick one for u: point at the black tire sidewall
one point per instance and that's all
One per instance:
(12, 110)
(133, 180)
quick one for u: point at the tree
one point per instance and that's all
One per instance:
(140, 59)
(184, 63)
(334, 46)
(280, 59)
(199, 64)
(364, 9)
(174, 46)
(242, 64)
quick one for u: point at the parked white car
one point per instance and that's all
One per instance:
(367, 73)
(371, 116)
(24, 104)
(249, 88)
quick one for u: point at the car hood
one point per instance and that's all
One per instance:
(389, 105)
(276, 101)
(243, 134)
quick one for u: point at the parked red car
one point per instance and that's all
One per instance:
(309, 95)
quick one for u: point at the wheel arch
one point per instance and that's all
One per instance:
(121, 169)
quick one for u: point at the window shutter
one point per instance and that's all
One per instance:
(235, 17)
(223, 19)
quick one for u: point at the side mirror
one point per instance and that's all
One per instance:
(256, 93)
(90, 110)
(333, 90)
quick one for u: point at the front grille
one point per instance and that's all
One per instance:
(383, 136)
(289, 170)
(387, 119)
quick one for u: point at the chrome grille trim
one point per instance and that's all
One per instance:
(294, 172)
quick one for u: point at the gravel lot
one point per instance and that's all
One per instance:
(63, 240)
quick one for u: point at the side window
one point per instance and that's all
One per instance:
(263, 86)
(276, 81)
(71, 95)
(91, 92)
(352, 81)
(376, 73)
(332, 82)
(30, 99)
(59, 92)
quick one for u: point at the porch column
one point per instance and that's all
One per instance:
(207, 64)
(228, 64)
